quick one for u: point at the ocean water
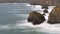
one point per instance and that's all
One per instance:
(13, 20)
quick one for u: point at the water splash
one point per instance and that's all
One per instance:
(27, 27)
(44, 27)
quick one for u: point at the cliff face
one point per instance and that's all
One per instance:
(41, 2)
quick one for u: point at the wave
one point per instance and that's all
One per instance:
(44, 27)
(27, 26)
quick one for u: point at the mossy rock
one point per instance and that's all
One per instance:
(36, 18)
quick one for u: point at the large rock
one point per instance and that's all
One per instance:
(35, 18)
(54, 16)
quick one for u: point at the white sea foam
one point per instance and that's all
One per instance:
(44, 27)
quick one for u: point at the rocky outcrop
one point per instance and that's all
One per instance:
(34, 2)
(36, 18)
(54, 16)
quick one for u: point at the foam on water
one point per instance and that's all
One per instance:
(44, 27)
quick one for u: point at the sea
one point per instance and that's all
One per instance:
(14, 16)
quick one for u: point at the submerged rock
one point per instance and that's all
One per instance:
(54, 16)
(36, 18)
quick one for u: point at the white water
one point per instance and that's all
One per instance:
(44, 27)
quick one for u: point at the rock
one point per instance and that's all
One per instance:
(54, 16)
(45, 6)
(45, 11)
(36, 18)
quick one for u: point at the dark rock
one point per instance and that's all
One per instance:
(45, 11)
(54, 16)
(36, 18)
(45, 6)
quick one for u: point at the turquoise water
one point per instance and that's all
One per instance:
(13, 20)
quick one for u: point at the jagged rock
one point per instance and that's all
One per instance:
(36, 18)
(54, 16)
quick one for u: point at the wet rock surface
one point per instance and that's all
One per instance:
(36, 18)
